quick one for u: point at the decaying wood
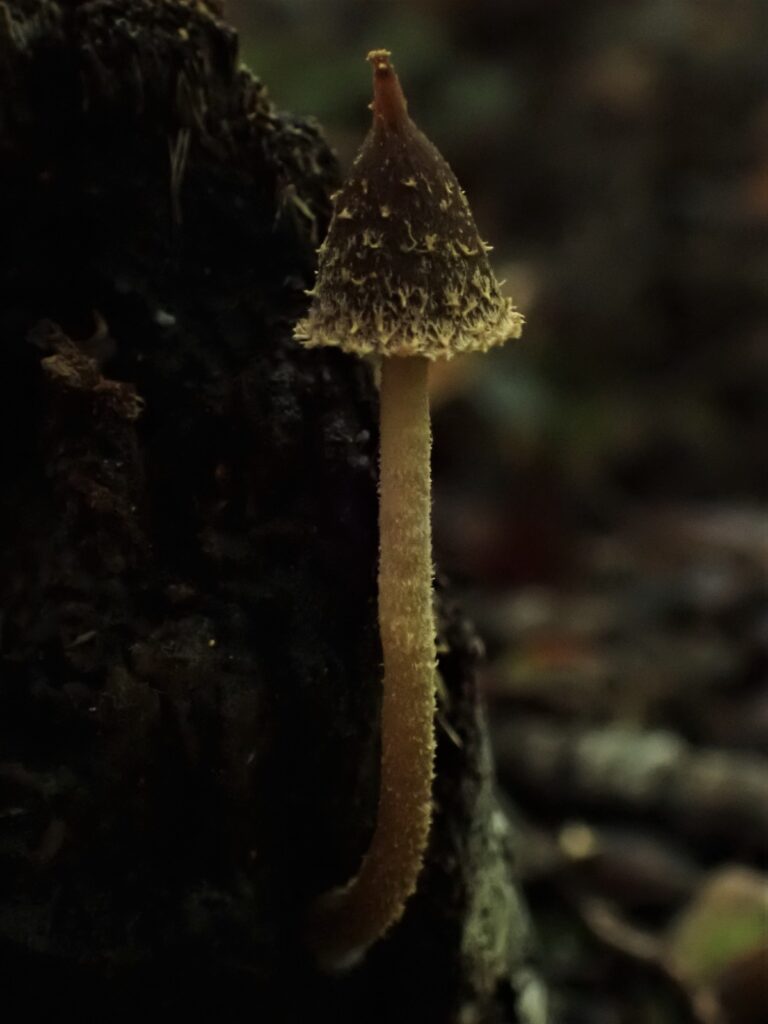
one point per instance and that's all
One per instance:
(190, 662)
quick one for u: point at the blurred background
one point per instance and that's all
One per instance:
(601, 487)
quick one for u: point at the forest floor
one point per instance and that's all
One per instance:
(630, 717)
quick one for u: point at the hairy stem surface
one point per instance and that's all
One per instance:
(353, 918)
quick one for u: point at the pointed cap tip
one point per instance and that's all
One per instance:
(379, 59)
(389, 104)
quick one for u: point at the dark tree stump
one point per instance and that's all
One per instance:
(189, 661)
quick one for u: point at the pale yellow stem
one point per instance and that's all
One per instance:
(346, 922)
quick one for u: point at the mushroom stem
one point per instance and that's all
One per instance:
(406, 624)
(350, 920)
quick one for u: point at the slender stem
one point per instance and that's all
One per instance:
(350, 920)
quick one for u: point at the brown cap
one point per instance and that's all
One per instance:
(403, 270)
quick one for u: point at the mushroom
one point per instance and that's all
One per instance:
(403, 275)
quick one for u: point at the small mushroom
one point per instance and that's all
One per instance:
(403, 275)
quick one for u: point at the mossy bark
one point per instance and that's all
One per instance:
(189, 669)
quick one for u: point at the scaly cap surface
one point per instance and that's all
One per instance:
(403, 270)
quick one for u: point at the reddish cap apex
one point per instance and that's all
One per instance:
(389, 104)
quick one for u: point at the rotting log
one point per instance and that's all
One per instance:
(189, 666)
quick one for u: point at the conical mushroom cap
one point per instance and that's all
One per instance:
(403, 270)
